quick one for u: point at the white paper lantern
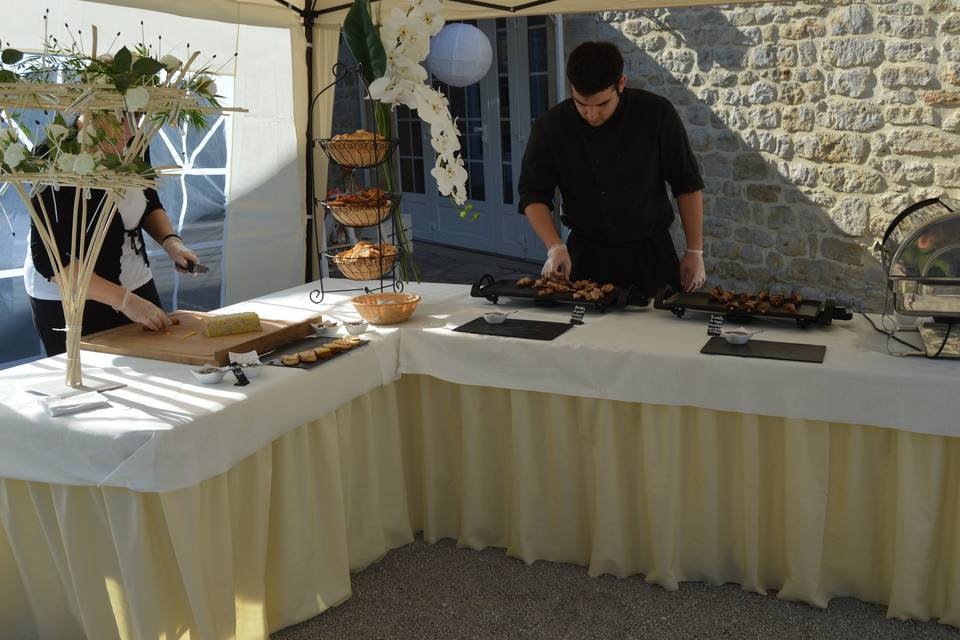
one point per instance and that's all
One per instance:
(459, 55)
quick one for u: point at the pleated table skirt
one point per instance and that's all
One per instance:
(814, 510)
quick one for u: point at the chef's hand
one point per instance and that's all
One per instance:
(142, 311)
(558, 262)
(179, 253)
(693, 274)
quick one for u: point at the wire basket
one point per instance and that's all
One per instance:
(386, 308)
(358, 153)
(360, 215)
(370, 268)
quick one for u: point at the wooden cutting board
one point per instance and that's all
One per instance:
(185, 342)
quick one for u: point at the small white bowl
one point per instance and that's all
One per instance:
(737, 338)
(356, 328)
(323, 330)
(204, 375)
(494, 317)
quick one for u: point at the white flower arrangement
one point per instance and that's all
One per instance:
(406, 37)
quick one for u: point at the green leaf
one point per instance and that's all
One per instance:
(122, 83)
(363, 40)
(7, 76)
(146, 67)
(122, 59)
(11, 56)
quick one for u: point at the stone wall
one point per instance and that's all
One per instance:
(814, 124)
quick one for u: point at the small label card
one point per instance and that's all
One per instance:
(715, 324)
(578, 312)
(242, 380)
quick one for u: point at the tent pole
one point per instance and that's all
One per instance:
(308, 22)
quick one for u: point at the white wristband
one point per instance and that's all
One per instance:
(698, 252)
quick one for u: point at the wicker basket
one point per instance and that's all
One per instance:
(360, 215)
(386, 308)
(365, 268)
(357, 153)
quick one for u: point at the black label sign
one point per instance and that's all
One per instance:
(715, 324)
(578, 312)
(242, 380)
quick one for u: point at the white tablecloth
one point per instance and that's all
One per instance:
(165, 431)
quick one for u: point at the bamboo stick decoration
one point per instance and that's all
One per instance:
(74, 265)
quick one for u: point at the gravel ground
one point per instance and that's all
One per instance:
(425, 591)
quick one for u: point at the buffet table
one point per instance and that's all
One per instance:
(223, 511)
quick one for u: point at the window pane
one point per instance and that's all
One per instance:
(16, 323)
(508, 183)
(406, 174)
(417, 139)
(505, 140)
(504, 97)
(418, 174)
(539, 96)
(537, 44)
(476, 181)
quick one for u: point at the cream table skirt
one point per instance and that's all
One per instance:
(811, 509)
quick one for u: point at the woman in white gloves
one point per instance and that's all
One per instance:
(121, 288)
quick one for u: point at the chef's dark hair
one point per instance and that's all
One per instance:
(594, 66)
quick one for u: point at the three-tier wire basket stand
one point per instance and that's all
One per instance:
(359, 154)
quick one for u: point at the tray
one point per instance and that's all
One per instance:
(809, 312)
(310, 342)
(516, 328)
(491, 289)
(766, 349)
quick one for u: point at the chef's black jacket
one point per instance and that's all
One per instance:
(611, 177)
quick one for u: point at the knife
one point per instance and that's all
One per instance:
(196, 267)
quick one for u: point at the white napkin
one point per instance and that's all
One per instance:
(74, 404)
(250, 357)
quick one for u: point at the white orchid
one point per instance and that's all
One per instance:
(87, 136)
(170, 62)
(105, 58)
(14, 155)
(136, 98)
(65, 162)
(429, 16)
(451, 178)
(442, 142)
(56, 131)
(431, 105)
(84, 164)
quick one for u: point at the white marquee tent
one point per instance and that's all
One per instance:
(266, 227)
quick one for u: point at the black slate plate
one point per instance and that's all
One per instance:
(515, 328)
(303, 344)
(766, 349)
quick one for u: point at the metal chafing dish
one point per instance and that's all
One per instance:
(920, 252)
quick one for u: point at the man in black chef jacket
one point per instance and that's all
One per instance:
(611, 150)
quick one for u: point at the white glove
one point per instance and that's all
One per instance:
(142, 311)
(179, 253)
(693, 274)
(558, 263)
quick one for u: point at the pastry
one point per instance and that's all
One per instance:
(790, 308)
(307, 356)
(323, 352)
(776, 300)
(524, 282)
(290, 360)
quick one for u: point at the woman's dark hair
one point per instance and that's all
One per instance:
(594, 66)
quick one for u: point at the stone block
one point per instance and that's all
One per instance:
(951, 24)
(853, 83)
(697, 115)
(845, 115)
(729, 57)
(907, 27)
(769, 55)
(700, 139)
(764, 117)
(781, 217)
(714, 228)
(947, 175)
(942, 98)
(728, 270)
(676, 61)
(725, 250)
(908, 51)
(763, 92)
(900, 96)
(832, 147)
(906, 76)
(726, 140)
(903, 115)
(894, 203)
(902, 9)
(792, 93)
(922, 142)
(753, 236)
(751, 254)
(802, 29)
(750, 166)
(952, 122)
(803, 175)
(851, 179)
(851, 215)
(853, 52)
(807, 51)
(893, 169)
(716, 165)
(791, 244)
(794, 119)
(774, 261)
(918, 171)
(732, 97)
(950, 74)
(763, 192)
(731, 209)
(849, 20)
(822, 199)
(842, 251)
